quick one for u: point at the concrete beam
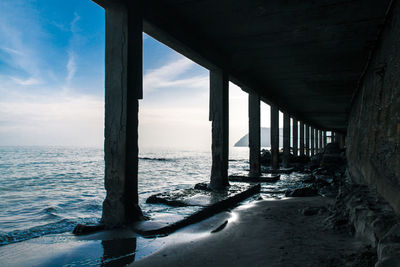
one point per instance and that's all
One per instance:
(307, 140)
(295, 137)
(302, 152)
(274, 137)
(312, 141)
(286, 140)
(254, 135)
(123, 87)
(219, 115)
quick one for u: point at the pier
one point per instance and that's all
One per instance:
(330, 67)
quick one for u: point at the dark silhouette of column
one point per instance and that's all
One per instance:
(320, 141)
(307, 140)
(312, 142)
(302, 152)
(219, 115)
(286, 140)
(254, 135)
(274, 137)
(123, 88)
(295, 137)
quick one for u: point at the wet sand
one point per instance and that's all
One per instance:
(264, 233)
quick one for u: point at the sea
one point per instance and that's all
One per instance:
(48, 190)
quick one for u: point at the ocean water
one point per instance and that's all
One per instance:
(48, 190)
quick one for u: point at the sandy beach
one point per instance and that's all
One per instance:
(266, 233)
(261, 233)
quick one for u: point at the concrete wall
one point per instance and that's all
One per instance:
(373, 134)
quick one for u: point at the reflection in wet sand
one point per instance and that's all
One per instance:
(118, 252)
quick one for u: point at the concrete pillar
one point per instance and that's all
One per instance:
(219, 115)
(316, 144)
(307, 140)
(333, 137)
(312, 142)
(295, 137)
(286, 140)
(274, 137)
(302, 152)
(320, 141)
(341, 140)
(254, 135)
(123, 88)
(324, 139)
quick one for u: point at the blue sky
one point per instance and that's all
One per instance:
(52, 82)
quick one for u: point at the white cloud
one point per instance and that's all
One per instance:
(11, 51)
(71, 66)
(29, 81)
(168, 76)
(52, 120)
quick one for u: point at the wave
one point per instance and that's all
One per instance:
(62, 226)
(156, 159)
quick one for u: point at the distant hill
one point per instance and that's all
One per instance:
(265, 138)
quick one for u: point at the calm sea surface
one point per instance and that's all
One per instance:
(47, 190)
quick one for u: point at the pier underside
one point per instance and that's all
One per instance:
(329, 65)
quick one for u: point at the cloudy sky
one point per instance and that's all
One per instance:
(52, 82)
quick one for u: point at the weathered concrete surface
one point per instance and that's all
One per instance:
(254, 135)
(373, 134)
(219, 115)
(274, 137)
(123, 56)
(295, 137)
(312, 141)
(320, 141)
(302, 151)
(286, 140)
(307, 140)
(306, 57)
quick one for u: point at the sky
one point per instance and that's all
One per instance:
(52, 82)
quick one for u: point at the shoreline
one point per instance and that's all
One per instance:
(272, 232)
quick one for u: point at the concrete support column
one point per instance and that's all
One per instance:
(286, 140)
(320, 140)
(219, 115)
(341, 140)
(324, 139)
(254, 135)
(307, 140)
(123, 88)
(295, 137)
(312, 142)
(316, 145)
(302, 152)
(274, 137)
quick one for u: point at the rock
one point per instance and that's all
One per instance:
(389, 245)
(202, 186)
(82, 229)
(388, 262)
(308, 179)
(156, 199)
(332, 159)
(302, 192)
(332, 148)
